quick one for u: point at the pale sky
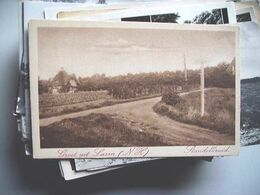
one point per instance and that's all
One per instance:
(250, 50)
(86, 52)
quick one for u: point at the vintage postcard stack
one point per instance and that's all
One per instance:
(108, 84)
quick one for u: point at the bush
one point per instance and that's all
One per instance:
(219, 110)
(171, 98)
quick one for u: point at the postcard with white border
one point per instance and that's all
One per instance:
(129, 89)
(208, 13)
(68, 173)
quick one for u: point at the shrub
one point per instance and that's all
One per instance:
(219, 110)
(171, 98)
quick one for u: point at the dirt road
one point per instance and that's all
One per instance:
(141, 112)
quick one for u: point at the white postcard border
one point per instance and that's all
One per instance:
(124, 152)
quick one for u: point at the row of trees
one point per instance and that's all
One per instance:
(143, 84)
(215, 16)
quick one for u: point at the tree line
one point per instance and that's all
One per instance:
(143, 84)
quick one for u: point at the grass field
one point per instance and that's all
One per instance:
(50, 100)
(250, 113)
(219, 110)
(97, 130)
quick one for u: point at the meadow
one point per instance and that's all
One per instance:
(59, 99)
(219, 109)
(97, 130)
(250, 112)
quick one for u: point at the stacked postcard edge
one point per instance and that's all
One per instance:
(212, 33)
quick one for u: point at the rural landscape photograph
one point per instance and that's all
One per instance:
(250, 84)
(198, 15)
(136, 87)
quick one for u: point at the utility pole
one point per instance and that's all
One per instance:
(185, 69)
(202, 86)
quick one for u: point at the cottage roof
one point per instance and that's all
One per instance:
(62, 78)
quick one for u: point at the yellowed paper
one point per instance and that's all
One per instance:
(91, 98)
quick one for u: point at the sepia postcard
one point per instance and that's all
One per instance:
(217, 13)
(117, 90)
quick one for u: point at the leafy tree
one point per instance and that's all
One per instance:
(165, 18)
(43, 86)
(206, 17)
(143, 84)
(171, 98)
(220, 76)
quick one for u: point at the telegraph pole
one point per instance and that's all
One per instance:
(202, 87)
(185, 69)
